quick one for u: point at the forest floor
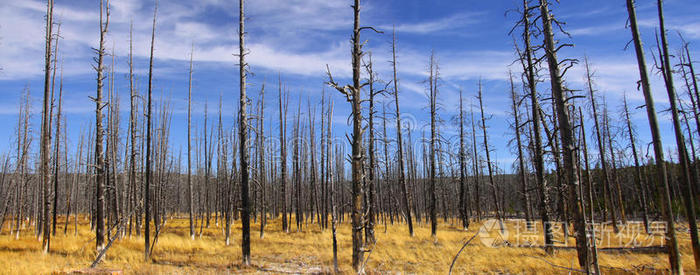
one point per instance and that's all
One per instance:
(310, 251)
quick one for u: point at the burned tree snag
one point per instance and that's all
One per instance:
(492, 183)
(566, 135)
(601, 148)
(243, 142)
(190, 194)
(661, 172)
(147, 183)
(667, 73)
(399, 142)
(99, 157)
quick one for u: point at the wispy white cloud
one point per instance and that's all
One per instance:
(451, 22)
(597, 30)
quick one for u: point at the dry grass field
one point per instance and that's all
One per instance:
(310, 251)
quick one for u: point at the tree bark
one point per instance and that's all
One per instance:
(680, 139)
(488, 161)
(661, 172)
(243, 132)
(399, 143)
(566, 135)
(147, 183)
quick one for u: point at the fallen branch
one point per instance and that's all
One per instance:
(362, 269)
(460, 251)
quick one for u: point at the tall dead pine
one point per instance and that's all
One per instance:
(147, 183)
(243, 133)
(353, 94)
(527, 60)
(661, 172)
(399, 142)
(490, 169)
(190, 195)
(688, 200)
(99, 157)
(566, 134)
(45, 129)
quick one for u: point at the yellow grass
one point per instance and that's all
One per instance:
(310, 252)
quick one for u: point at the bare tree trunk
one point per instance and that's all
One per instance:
(283, 155)
(639, 180)
(322, 208)
(538, 161)
(399, 142)
(334, 210)
(521, 158)
(147, 183)
(680, 139)
(57, 156)
(99, 157)
(189, 147)
(661, 173)
(45, 129)
(601, 149)
(243, 132)
(685, 61)
(488, 161)
(589, 181)
(463, 193)
(432, 80)
(296, 171)
(566, 135)
(133, 122)
(476, 166)
(371, 200)
(353, 95)
(613, 162)
(261, 170)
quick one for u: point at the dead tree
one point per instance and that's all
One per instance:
(56, 155)
(147, 183)
(334, 210)
(475, 166)
(322, 207)
(488, 160)
(190, 195)
(667, 72)
(207, 164)
(613, 163)
(353, 95)
(463, 188)
(589, 192)
(521, 159)
(45, 129)
(399, 142)
(433, 83)
(133, 123)
(565, 133)
(99, 157)
(601, 148)
(689, 77)
(243, 142)
(661, 172)
(312, 176)
(638, 179)
(261, 158)
(370, 202)
(296, 171)
(283, 154)
(687, 71)
(527, 60)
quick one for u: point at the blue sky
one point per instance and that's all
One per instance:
(297, 38)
